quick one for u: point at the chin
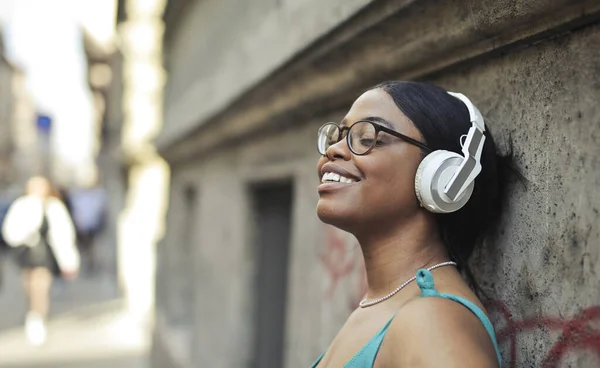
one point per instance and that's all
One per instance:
(335, 216)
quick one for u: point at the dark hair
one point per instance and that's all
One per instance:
(442, 119)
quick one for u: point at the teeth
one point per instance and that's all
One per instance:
(329, 176)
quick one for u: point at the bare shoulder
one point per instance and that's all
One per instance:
(433, 331)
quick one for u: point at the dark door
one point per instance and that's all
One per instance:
(272, 210)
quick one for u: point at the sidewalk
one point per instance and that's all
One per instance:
(88, 327)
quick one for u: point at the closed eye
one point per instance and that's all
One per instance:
(366, 141)
(369, 141)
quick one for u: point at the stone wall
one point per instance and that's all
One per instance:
(532, 69)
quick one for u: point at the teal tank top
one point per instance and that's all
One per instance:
(365, 358)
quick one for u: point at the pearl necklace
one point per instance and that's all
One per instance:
(364, 303)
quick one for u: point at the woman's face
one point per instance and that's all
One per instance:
(383, 180)
(39, 186)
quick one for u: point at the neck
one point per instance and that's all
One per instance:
(394, 256)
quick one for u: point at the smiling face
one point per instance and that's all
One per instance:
(376, 188)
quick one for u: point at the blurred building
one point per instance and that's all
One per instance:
(100, 79)
(104, 66)
(7, 72)
(247, 276)
(141, 220)
(19, 157)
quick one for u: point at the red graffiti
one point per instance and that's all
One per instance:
(336, 259)
(577, 333)
(341, 263)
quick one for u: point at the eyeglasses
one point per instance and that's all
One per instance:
(361, 137)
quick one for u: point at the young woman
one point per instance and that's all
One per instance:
(39, 227)
(412, 173)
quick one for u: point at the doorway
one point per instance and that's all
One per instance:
(272, 210)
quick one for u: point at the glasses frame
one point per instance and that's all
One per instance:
(378, 128)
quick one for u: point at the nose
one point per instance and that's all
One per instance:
(339, 151)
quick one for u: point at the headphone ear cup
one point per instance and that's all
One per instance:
(418, 181)
(433, 173)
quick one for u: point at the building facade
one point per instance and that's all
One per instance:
(247, 276)
(104, 78)
(7, 102)
(19, 152)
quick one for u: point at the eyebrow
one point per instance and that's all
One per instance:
(375, 119)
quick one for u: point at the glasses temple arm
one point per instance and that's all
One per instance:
(406, 138)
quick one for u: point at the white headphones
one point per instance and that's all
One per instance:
(444, 180)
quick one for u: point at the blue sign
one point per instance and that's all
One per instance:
(44, 123)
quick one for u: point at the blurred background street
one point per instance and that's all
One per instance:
(89, 326)
(62, 117)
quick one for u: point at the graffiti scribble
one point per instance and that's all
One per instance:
(577, 334)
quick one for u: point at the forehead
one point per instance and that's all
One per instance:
(377, 103)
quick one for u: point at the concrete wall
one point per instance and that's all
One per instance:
(544, 263)
(224, 47)
(532, 69)
(223, 255)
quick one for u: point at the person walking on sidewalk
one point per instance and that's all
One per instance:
(39, 228)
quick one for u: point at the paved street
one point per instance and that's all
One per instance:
(88, 327)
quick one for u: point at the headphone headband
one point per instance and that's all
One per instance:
(471, 148)
(474, 115)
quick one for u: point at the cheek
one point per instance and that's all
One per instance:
(396, 186)
(322, 160)
(393, 184)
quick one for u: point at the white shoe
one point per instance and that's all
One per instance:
(35, 329)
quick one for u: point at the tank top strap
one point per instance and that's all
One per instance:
(427, 286)
(365, 357)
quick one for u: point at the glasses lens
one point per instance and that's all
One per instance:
(329, 134)
(362, 137)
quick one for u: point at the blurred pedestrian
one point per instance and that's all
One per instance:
(40, 230)
(88, 209)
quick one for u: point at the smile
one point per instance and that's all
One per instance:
(331, 177)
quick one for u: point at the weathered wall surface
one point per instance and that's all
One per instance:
(542, 267)
(223, 257)
(224, 47)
